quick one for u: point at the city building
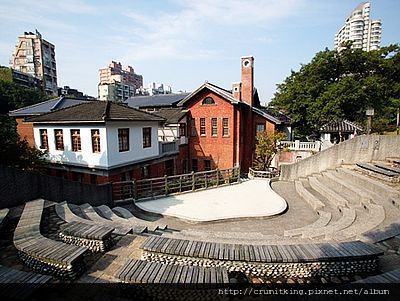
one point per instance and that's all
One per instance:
(364, 33)
(154, 89)
(35, 56)
(67, 91)
(22, 79)
(118, 84)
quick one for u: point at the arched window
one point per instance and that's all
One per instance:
(208, 101)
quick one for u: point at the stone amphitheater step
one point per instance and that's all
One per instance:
(395, 161)
(381, 234)
(353, 194)
(385, 191)
(331, 195)
(347, 219)
(107, 213)
(322, 221)
(328, 206)
(377, 172)
(381, 193)
(368, 217)
(388, 167)
(314, 202)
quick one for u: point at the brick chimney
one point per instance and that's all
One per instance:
(247, 79)
(236, 90)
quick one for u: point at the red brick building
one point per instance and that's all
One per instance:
(223, 124)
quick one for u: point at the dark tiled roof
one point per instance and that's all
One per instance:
(47, 106)
(172, 115)
(96, 111)
(343, 126)
(161, 100)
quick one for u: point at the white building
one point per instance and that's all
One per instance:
(103, 140)
(363, 32)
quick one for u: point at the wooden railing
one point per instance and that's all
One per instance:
(265, 174)
(163, 186)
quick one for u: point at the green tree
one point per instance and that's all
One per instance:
(14, 97)
(267, 147)
(342, 85)
(17, 152)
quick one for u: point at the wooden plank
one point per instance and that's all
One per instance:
(187, 249)
(189, 274)
(201, 249)
(164, 276)
(183, 275)
(200, 277)
(154, 272)
(166, 245)
(177, 274)
(213, 275)
(172, 273)
(134, 273)
(160, 244)
(246, 252)
(207, 250)
(157, 278)
(225, 278)
(207, 275)
(292, 254)
(126, 269)
(146, 268)
(193, 248)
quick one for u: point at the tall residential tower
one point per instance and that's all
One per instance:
(365, 33)
(35, 56)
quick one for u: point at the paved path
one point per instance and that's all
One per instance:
(253, 198)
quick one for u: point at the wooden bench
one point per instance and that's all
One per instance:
(343, 251)
(140, 271)
(3, 214)
(96, 238)
(130, 220)
(42, 254)
(9, 276)
(388, 277)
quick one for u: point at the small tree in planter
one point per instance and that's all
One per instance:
(267, 146)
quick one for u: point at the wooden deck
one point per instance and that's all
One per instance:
(139, 271)
(261, 253)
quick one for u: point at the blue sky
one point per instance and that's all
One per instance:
(185, 42)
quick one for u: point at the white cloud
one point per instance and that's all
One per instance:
(185, 32)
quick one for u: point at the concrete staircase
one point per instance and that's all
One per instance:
(351, 204)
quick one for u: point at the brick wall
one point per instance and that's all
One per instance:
(25, 130)
(219, 150)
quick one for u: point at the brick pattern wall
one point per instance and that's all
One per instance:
(219, 150)
(25, 130)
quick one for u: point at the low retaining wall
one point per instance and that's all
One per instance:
(276, 270)
(365, 148)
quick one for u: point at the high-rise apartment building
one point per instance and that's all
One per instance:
(35, 56)
(363, 32)
(118, 84)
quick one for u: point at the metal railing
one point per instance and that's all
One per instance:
(265, 174)
(163, 186)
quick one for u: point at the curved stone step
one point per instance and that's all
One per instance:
(308, 196)
(367, 221)
(322, 221)
(348, 217)
(371, 185)
(331, 195)
(106, 212)
(120, 229)
(352, 193)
